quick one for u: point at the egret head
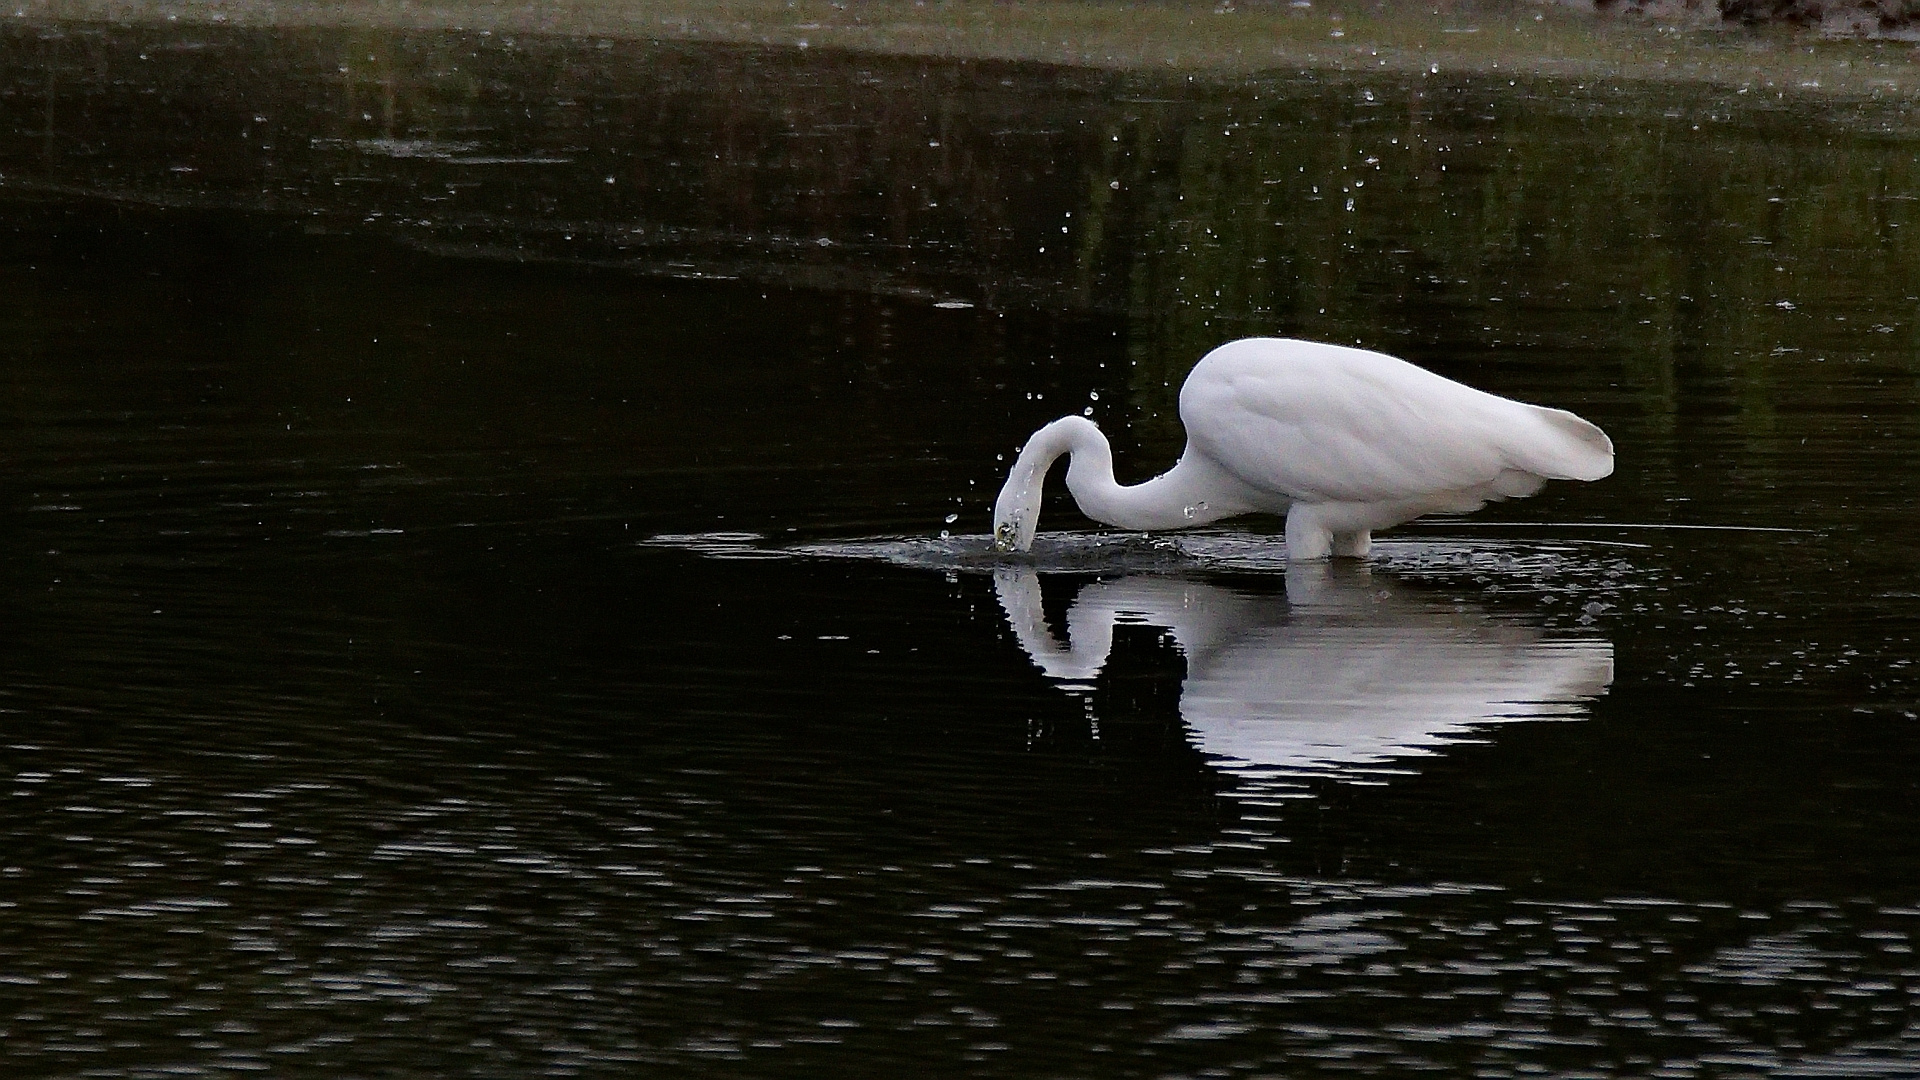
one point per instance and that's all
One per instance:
(1016, 513)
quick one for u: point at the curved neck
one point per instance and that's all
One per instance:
(1016, 513)
(1193, 492)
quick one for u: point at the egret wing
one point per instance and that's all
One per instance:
(1328, 424)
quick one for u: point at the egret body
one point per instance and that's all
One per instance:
(1342, 441)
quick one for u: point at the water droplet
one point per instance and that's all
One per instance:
(951, 518)
(1093, 395)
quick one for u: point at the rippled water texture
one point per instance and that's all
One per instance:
(494, 580)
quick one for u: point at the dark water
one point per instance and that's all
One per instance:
(445, 631)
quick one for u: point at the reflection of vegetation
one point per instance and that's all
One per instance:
(1658, 234)
(1644, 239)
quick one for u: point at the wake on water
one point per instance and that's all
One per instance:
(1594, 569)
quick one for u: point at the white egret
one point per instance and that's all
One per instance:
(1342, 441)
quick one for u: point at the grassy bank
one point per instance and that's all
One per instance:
(1523, 38)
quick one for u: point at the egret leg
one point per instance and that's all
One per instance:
(1307, 536)
(1353, 545)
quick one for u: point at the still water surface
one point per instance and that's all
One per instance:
(477, 601)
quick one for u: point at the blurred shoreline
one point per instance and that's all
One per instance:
(1204, 39)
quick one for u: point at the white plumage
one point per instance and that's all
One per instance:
(1342, 441)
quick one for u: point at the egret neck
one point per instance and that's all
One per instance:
(1194, 492)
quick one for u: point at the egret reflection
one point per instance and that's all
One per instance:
(1347, 670)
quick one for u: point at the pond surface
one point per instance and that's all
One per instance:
(494, 581)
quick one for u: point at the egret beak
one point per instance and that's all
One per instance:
(1006, 538)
